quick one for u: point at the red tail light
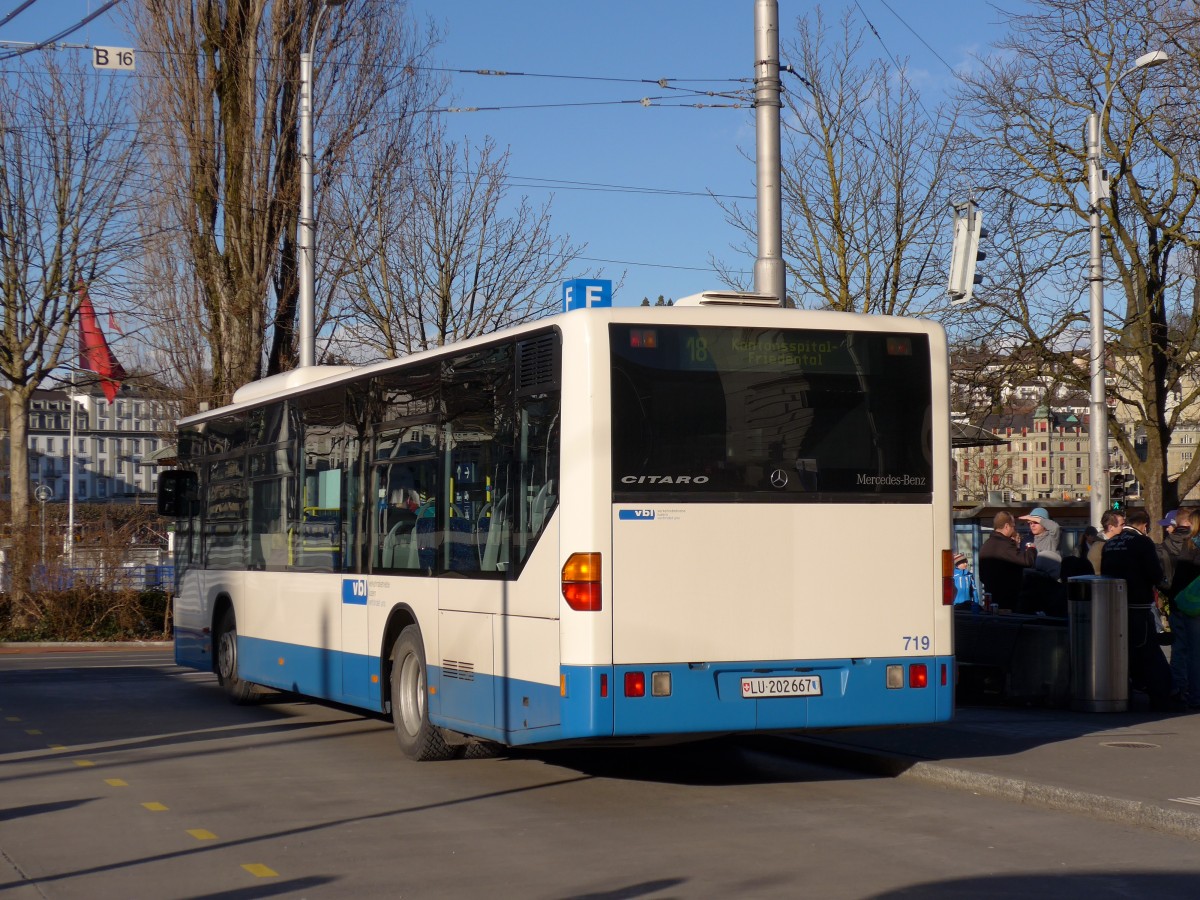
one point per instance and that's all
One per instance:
(581, 582)
(918, 676)
(635, 684)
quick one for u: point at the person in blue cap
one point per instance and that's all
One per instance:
(1045, 533)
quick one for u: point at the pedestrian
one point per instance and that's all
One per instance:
(966, 594)
(1089, 537)
(1002, 563)
(1045, 533)
(1111, 523)
(1179, 541)
(1131, 555)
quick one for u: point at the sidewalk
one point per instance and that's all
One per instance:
(1137, 768)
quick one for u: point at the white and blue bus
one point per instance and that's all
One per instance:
(608, 525)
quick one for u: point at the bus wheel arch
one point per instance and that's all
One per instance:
(419, 738)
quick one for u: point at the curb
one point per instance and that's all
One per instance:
(1138, 813)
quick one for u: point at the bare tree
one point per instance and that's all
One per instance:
(866, 179)
(224, 87)
(1029, 103)
(441, 256)
(66, 164)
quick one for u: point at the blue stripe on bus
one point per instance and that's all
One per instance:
(329, 674)
(705, 698)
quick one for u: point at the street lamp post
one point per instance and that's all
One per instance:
(1097, 191)
(308, 334)
(769, 273)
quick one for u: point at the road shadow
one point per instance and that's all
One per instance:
(1063, 886)
(37, 809)
(716, 762)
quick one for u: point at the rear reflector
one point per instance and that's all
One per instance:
(635, 684)
(581, 582)
(660, 684)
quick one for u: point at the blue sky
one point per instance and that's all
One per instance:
(660, 243)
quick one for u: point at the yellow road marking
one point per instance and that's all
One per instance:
(202, 834)
(116, 782)
(258, 870)
(12, 719)
(155, 807)
(84, 763)
(32, 731)
(57, 746)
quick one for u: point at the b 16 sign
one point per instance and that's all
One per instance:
(585, 293)
(113, 58)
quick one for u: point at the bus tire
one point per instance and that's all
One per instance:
(237, 690)
(419, 739)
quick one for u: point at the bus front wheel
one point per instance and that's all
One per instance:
(419, 739)
(236, 689)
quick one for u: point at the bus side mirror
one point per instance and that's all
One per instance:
(177, 493)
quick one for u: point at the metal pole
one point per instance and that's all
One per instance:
(1098, 427)
(769, 272)
(71, 472)
(1097, 191)
(308, 218)
(307, 337)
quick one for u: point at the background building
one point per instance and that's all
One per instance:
(111, 441)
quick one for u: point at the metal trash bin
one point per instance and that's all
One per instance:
(1097, 610)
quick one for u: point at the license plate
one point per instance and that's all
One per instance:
(763, 688)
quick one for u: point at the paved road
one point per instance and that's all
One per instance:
(124, 776)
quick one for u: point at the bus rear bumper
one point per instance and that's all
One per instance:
(735, 697)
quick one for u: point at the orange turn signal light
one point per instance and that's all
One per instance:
(581, 582)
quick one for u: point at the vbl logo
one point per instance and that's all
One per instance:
(637, 514)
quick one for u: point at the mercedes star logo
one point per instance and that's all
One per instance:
(779, 479)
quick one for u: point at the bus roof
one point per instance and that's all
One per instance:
(298, 381)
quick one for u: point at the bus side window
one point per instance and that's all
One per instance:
(538, 491)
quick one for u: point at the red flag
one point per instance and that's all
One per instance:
(94, 354)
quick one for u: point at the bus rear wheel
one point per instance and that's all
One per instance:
(419, 738)
(236, 689)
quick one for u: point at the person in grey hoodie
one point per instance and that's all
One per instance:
(1045, 533)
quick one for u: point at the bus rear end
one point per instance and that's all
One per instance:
(780, 522)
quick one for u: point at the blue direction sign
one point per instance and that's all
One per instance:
(586, 293)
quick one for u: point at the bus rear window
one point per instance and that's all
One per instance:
(726, 414)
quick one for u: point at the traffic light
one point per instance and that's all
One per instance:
(1116, 490)
(968, 231)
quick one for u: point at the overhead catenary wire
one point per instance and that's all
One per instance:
(66, 32)
(679, 88)
(16, 12)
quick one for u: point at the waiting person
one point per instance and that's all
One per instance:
(1179, 543)
(1045, 533)
(1131, 555)
(1089, 537)
(966, 594)
(1111, 523)
(1002, 562)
